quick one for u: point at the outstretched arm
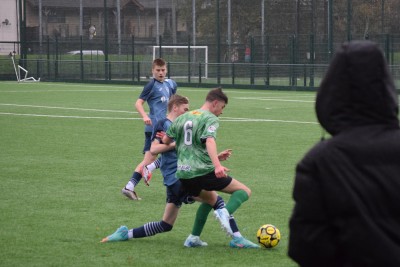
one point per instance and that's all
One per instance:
(224, 155)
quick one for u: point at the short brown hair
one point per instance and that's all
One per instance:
(217, 94)
(177, 100)
(159, 62)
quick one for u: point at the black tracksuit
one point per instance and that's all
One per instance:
(347, 188)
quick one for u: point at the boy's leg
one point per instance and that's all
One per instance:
(239, 194)
(129, 189)
(201, 218)
(204, 209)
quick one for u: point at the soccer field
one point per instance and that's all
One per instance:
(68, 149)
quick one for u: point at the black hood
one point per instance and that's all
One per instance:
(357, 90)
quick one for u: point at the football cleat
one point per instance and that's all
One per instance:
(194, 241)
(146, 175)
(222, 215)
(241, 242)
(130, 194)
(120, 235)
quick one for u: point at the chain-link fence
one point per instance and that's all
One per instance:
(253, 43)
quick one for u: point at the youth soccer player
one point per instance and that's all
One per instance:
(157, 94)
(199, 168)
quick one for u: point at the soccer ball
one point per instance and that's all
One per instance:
(268, 236)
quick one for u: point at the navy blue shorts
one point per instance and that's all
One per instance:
(177, 196)
(208, 182)
(147, 141)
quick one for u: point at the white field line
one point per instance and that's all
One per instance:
(64, 108)
(275, 99)
(228, 119)
(66, 91)
(132, 89)
(61, 116)
(224, 119)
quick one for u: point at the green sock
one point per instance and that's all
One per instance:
(201, 218)
(236, 199)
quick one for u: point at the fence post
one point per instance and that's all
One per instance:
(199, 72)
(252, 60)
(160, 46)
(189, 70)
(233, 73)
(56, 61)
(106, 63)
(292, 77)
(81, 57)
(312, 61)
(330, 29)
(267, 74)
(138, 71)
(133, 58)
(48, 56)
(218, 45)
(349, 19)
(387, 47)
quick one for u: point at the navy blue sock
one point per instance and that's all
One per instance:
(233, 225)
(151, 228)
(136, 177)
(219, 204)
(157, 163)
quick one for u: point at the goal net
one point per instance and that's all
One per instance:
(186, 61)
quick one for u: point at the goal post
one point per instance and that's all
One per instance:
(179, 54)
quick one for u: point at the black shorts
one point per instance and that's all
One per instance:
(147, 141)
(208, 182)
(177, 196)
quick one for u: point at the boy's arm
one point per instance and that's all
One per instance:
(157, 147)
(167, 140)
(139, 107)
(220, 171)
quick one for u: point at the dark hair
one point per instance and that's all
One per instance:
(177, 100)
(217, 94)
(159, 62)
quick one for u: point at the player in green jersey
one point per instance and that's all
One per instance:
(199, 168)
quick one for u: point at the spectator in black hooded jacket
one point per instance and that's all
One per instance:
(347, 188)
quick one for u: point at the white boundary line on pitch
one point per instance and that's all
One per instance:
(228, 119)
(275, 99)
(64, 108)
(70, 117)
(140, 87)
(224, 119)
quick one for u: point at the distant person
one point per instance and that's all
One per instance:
(92, 31)
(347, 188)
(156, 93)
(247, 54)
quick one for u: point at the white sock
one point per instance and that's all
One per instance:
(130, 186)
(237, 234)
(151, 167)
(130, 234)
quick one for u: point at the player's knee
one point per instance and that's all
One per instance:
(248, 191)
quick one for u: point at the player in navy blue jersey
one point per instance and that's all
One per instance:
(157, 94)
